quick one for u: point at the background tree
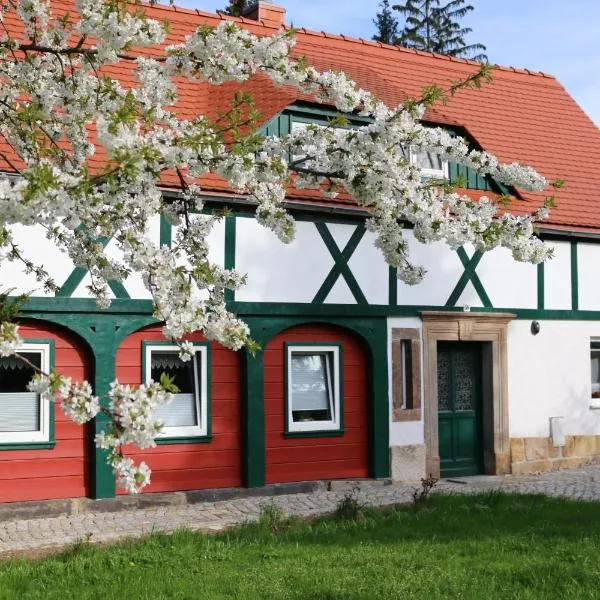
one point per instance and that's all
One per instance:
(434, 27)
(238, 8)
(386, 23)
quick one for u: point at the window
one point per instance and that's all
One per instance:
(313, 388)
(24, 417)
(406, 374)
(595, 368)
(187, 414)
(431, 164)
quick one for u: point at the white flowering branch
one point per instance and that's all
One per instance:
(59, 108)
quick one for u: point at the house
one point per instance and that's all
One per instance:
(488, 366)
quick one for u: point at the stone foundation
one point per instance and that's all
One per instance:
(408, 462)
(538, 454)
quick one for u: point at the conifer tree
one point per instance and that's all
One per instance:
(386, 23)
(238, 8)
(435, 27)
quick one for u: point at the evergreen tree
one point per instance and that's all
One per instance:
(238, 8)
(431, 26)
(386, 23)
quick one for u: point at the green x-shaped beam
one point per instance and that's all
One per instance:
(67, 289)
(340, 267)
(470, 274)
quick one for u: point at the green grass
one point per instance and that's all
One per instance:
(485, 546)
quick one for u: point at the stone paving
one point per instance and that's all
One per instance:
(32, 536)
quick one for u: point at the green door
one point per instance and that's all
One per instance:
(459, 408)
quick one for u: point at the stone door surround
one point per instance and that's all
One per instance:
(470, 327)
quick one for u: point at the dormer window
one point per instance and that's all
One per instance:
(432, 165)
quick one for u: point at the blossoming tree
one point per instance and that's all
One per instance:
(58, 109)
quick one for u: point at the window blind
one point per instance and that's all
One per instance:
(19, 411)
(181, 412)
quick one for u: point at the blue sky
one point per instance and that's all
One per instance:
(557, 37)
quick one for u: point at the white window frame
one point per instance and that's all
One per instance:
(43, 434)
(200, 392)
(333, 372)
(429, 173)
(594, 402)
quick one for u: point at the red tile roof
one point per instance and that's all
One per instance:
(521, 116)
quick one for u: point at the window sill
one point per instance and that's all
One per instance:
(406, 414)
(594, 404)
(199, 439)
(27, 446)
(317, 433)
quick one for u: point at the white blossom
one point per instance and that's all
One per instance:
(60, 112)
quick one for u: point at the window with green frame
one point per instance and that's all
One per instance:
(187, 415)
(25, 417)
(313, 387)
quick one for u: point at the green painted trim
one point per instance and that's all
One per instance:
(314, 434)
(574, 277)
(168, 441)
(253, 418)
(28, 446)
(541, 286)
(73, 280)
(118, 289)
(51, 442)
(340, 376)
(166, 232)
(340, 266)
(195, 438)
(78, 274)
(469, 274)
(393, 286)
(229, 259)
(86, 306)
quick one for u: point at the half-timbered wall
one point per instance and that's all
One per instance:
(319, 455)
(61, 469)
(184, 464)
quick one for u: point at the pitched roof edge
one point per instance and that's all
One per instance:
(354, 40)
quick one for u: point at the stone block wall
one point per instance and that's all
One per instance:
(538, 454)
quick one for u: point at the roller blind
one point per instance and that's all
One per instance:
(310, 385)
(181, 412)
(19, 411)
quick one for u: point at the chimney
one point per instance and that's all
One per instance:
(271, 15)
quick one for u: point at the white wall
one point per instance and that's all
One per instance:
(508, 283)
(407, 432)
(549, 375)
(42, 252)
(588, 256)
(557, 278)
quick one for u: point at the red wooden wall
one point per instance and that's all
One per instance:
(215, 464)
(301, 459)
(60, 472)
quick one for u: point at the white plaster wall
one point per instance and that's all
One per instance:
(508, 283)
(557, 278)
(588, 259)
(370, 270)
(407, 432)
(280, 272)
(36, 247)
(549, 375)
(133, 284)
(443, 272)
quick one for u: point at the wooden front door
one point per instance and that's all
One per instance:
(459, 408)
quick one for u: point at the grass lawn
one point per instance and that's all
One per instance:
(485, 546)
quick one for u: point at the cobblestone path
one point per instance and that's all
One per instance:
(31, 535)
